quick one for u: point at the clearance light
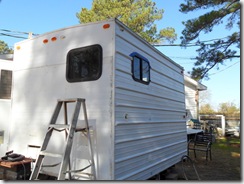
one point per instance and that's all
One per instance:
(53, 39)
(106, 26)
(45, 41)
(18, 47)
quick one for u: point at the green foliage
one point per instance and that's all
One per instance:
(4, 48)
(226, 108)
(229, 109)
(137, 15)
(216, 51)
(226, 144)
(206, 109)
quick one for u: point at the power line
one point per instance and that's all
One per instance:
(223, 69)
(180, 57)
(19, 32)
(196, 44)
(3, 34)
(16, 34)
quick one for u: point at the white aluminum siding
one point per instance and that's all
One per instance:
(150, 131)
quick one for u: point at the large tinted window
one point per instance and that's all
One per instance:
(140, 68)
(84, 64)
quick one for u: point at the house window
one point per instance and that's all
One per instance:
(5, 84)
(84, 64)
(140, 68)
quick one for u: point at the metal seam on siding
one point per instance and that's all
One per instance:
(153, 81)
(157, 51)
(124, 55)
(150, 166)
(141, 99)
(148, 151)
(151, 94)
(149, 136)
(147, 107)
(164, 86)
(147, 122)
(122, 71)
(153, 69)
(167, 76)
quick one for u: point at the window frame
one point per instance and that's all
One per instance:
(100, 62)
(6, 77)
(142, 60)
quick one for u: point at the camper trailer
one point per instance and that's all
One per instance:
(134, 96)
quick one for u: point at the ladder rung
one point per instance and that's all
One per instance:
(51, 165)
(71, 100)
(45, 153)
(80, 128)
(80, 170)
(49, 173)
(58, 126)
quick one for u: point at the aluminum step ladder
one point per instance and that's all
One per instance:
(70, 130)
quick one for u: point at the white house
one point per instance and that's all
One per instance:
(192, 90)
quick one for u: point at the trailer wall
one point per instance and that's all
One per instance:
(40, 79)
(150, 130)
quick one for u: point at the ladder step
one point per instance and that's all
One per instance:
(71, 100)
(58, 126)
(81, 128)
(49, 173)
(63, 126)
(46, 153)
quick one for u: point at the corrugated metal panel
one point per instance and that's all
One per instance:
(150, 131)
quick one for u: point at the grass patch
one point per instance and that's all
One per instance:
(231, 144)
(235, 141)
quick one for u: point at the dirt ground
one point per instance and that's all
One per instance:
(224, 166)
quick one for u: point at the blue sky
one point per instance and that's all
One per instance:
(48, 15)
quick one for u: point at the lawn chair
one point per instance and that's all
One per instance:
(201, 142)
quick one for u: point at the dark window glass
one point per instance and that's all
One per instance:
(84, 64)
(140, 68)
(145, 71)
(5, 84)
(136, 68)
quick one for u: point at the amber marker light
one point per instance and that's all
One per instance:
(106, 26)
(54, 39)
(18, 47)
(45, 41)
